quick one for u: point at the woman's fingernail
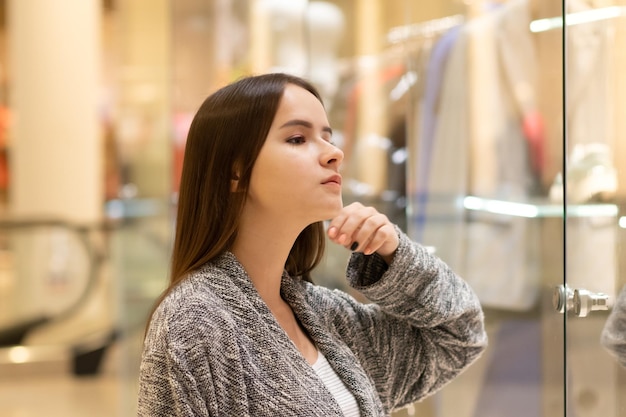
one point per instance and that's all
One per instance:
(354, 245)
(332, 232)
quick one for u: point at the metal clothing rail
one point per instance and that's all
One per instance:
(397, 37)
(426, 29)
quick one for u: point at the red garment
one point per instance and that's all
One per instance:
(534, 131)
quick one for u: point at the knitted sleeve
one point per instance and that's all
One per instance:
(614, 332)
(423, 327)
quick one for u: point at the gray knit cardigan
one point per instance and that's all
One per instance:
(213, 347)
(614, 333)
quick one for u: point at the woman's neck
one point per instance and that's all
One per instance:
(262, 248)
(263, 252)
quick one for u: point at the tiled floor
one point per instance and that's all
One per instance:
(51, 390)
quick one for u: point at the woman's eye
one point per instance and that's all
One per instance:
(296, 140)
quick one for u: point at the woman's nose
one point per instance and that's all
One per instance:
(332, 155)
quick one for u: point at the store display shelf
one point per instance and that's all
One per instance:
(538, 209)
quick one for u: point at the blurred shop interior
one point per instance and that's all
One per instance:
(491, 131)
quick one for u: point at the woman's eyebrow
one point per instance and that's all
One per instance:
(309, 125)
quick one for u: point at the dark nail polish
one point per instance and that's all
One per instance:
(354, 246)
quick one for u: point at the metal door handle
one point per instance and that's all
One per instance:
(580, 301)
(586, 301)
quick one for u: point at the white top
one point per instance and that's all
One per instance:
(342, 395)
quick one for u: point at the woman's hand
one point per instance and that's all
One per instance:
(364, 229)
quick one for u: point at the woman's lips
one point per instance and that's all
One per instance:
(335, 179)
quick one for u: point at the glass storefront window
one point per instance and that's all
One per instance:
(490, 131)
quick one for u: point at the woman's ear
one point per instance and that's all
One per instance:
(234, 177)
(234, 183)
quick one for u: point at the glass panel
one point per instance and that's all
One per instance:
(486, 132)
(594, 131)
(451, 117)
(139, 250)
(139, 204)
(141, 95)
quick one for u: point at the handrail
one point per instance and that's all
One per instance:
(86, 353)
(15, 333)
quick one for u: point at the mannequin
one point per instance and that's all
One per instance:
(302, 39)
(325, 25)
(282, 23)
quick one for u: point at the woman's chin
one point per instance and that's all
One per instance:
(333, 212)
(327, 211)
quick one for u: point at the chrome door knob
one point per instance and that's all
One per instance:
(563, 299)
(579, 301)
(586, 301)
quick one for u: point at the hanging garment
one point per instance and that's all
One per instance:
(480, 149)
(490, 142)
(428, 114)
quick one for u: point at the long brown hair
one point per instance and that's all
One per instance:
(225, 138)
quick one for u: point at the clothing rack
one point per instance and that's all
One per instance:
(428, 29)
(397, 38)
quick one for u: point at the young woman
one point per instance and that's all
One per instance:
(242, 330)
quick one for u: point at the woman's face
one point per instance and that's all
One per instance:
(296, 174)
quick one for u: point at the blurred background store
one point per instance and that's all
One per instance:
(488, 130)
